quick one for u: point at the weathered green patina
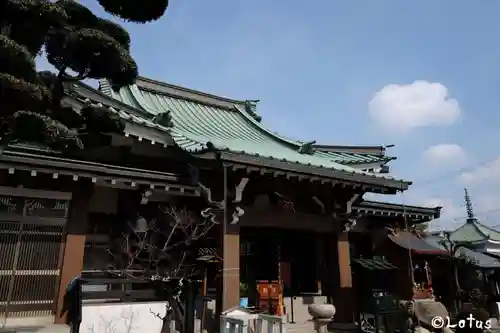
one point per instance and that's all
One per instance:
(231, 125)
(474, 231)
(197, 122)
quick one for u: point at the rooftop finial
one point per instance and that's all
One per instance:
(251, 109)
(307, 148)
(468, 207)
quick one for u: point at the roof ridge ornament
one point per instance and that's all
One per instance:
(471, 218)
(307, 148)
(164, 119)
(251, 109)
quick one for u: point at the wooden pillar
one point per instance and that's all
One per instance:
(74, 249)
(231, 268)
(343, 298)
(320, 254)
(228, 290)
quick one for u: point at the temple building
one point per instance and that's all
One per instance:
(300, 213)
(474, 234)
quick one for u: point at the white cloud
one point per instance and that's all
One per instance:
(445, 154)
(488, 173)
(400, 108)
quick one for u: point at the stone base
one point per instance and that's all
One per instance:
(321, 325)
(321, 310)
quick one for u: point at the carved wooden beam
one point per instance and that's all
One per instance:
(238, 193)
(218, 206)
(208, 194)
(351, 201)
(239, 189)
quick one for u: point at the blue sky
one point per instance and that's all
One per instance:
(316, 66)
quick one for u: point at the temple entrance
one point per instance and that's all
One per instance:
(290, 261)
(270, 250)
(31, 240)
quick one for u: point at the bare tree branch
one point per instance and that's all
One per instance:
(164, 250)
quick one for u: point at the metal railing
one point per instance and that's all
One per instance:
(233, 325)
(272, 324)
(262, 323)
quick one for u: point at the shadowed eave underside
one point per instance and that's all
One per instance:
(386, 209)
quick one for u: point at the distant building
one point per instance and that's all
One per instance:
(476, 235)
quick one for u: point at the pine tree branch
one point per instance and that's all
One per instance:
(63, 76)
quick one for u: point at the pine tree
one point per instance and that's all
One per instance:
(75, 41)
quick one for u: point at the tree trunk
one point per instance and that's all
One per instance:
(175, 314)
(165, 327)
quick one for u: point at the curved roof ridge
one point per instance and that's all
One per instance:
(359, 149)
(299, 143)
(188, 90)
(106, 88)
(482, 225)
(475, 223)
(198, 120)
(237, 105)
(137, 95)
(264, 129)
(234, 104)
(348, 146)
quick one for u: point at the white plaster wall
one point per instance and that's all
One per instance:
(122, 317)
(131, 317)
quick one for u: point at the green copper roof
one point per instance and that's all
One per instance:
(229, 125)
(474, 231)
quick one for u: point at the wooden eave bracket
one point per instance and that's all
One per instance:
(347, 213)
(351, 201)
(219, 205)
(238, 193)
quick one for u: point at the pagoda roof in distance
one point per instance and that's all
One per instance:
(474, 231)
(202, 121)
(478, 259)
